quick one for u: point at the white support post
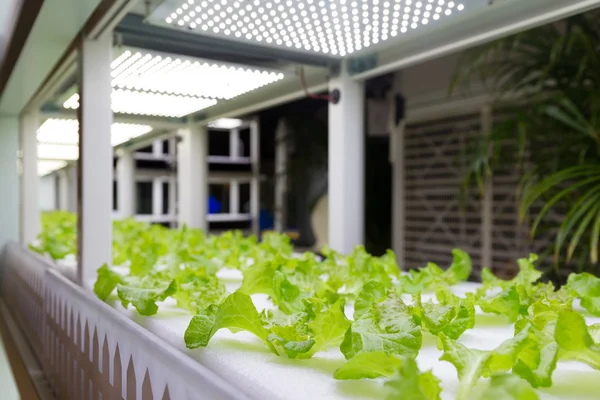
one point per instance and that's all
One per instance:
(157, 197)
(73, 191)
(234, 144)
(487, 201)
(30, 199)
(346, 165)
(9, 179)
(255, 182)
(157, 148)
(234, 197)
(281, 160)
(63, 190)
(192, 177)
(95, 165)
(126, 184)
(172, 195)
(397, 128)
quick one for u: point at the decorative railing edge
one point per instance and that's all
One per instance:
(165, 365)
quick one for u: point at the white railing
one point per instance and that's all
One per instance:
(87, 349)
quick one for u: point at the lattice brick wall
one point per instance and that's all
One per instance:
(438, 218)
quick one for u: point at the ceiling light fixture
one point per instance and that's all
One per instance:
(332, 27)
(167, 85)
(65, 132)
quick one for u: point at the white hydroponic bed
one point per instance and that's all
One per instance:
(243, 360)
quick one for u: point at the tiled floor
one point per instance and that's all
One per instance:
(7, 380)
(15, 382)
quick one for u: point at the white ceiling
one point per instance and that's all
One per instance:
(8, 16)
(57, 24)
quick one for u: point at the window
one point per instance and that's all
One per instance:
(115, 198)
(245, 198)
(218, 201)
(144, 198)
(165, 198)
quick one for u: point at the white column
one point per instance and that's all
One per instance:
(126, 184)
(397, 125)
(30, 199)
(157, 148)
(346, 165)
(73, 191)
(9, 179)
(192, 177)
(487, 201)
(255, 183)
(63, 190)
(234, 143)
(234, 197)
(281, 158)
(157, 197)
(95, 177)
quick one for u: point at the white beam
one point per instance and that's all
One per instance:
(281, 160)
(192, 177)
(30, 199)
(9, 179)
(95, 177)
(126, 184)
(346, 165)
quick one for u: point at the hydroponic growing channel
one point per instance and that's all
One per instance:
(281, 325)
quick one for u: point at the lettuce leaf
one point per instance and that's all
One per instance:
(106, 282)
(432, 276)
(369, 365)
(410, 383)
(388, 326)
(587, 288)
(236, 313)
(144, 293)
(508, 387)
(574, 340)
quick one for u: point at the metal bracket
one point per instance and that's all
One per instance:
(361, 64)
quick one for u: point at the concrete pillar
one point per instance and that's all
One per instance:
(95, 172)
(30, 194)
(126, 184)
(192, 177)
(9, 179)
(346, 165)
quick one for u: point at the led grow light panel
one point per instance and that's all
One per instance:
(56, 131)
(163, 73)
(167, 85)
(153, 104)
(333, 27)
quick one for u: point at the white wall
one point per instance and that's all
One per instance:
(9, 179)
(48, 193)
